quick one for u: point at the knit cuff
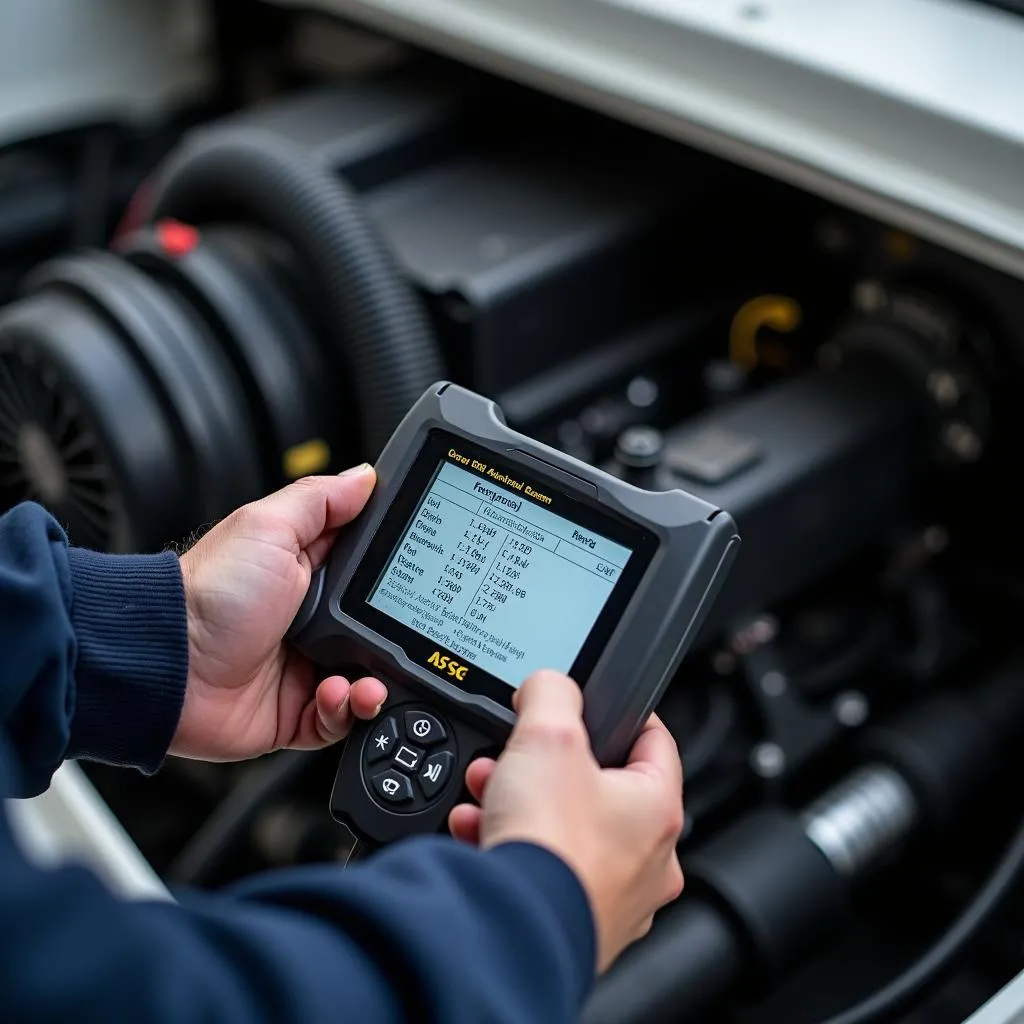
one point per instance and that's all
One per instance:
(128, 614)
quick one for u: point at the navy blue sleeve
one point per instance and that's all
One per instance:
(427, 930)
(92, 662)
(94, 651)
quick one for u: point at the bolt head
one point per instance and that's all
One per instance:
(768, 760)
(935, 539)
(773, 684)
(944, 388)
(869, 296)
(761, 631)
(963, 442)
(642, 392)
(851, 709)
(640, 447)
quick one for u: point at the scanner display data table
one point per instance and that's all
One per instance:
(502, 581)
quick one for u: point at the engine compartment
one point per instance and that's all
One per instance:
(848, 392)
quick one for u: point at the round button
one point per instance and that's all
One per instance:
(424, 729)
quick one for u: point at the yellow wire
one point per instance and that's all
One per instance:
(778, 312)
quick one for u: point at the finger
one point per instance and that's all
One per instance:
(478, 774)
(310, 733)
(339, 703)
(655, 750)
(315, 504)
(333, 710)
(367, 697)
(318, 551)
(549, 697)
(464, 823)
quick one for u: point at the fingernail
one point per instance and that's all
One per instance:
(376, 710)
(342, 706)
(363, 467)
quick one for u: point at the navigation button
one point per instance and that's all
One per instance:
(383, 741)
(408, 758)
(393, 786)
(436, 770)
(424, 728)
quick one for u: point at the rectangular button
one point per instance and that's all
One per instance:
(408, 758)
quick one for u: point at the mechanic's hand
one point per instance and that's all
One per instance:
(616, 828)
(248, 692)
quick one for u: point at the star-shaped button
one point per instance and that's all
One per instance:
(381, 740)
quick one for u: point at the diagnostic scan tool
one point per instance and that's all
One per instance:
(482, 556)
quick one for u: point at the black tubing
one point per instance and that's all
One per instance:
(694, 942)
(696, 947)
(218, 836)
(655, 979)
(932, 968)
(378, 324)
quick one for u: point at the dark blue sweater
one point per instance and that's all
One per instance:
(93, 662)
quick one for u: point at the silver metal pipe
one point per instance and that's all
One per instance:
(861, 819)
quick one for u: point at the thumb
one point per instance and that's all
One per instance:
(655, 750)
(316, 504)
(549, 699)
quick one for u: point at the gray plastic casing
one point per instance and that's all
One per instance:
(696, 545)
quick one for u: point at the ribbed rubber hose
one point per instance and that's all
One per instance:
(378, 325)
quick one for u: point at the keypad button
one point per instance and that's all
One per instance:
(393, 787)
(383, 741)
(435, 772)
(424, 729)
(407, 758)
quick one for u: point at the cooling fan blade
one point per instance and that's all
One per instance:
(49, 452)
(83, 433)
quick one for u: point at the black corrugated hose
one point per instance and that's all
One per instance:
(379, 327)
